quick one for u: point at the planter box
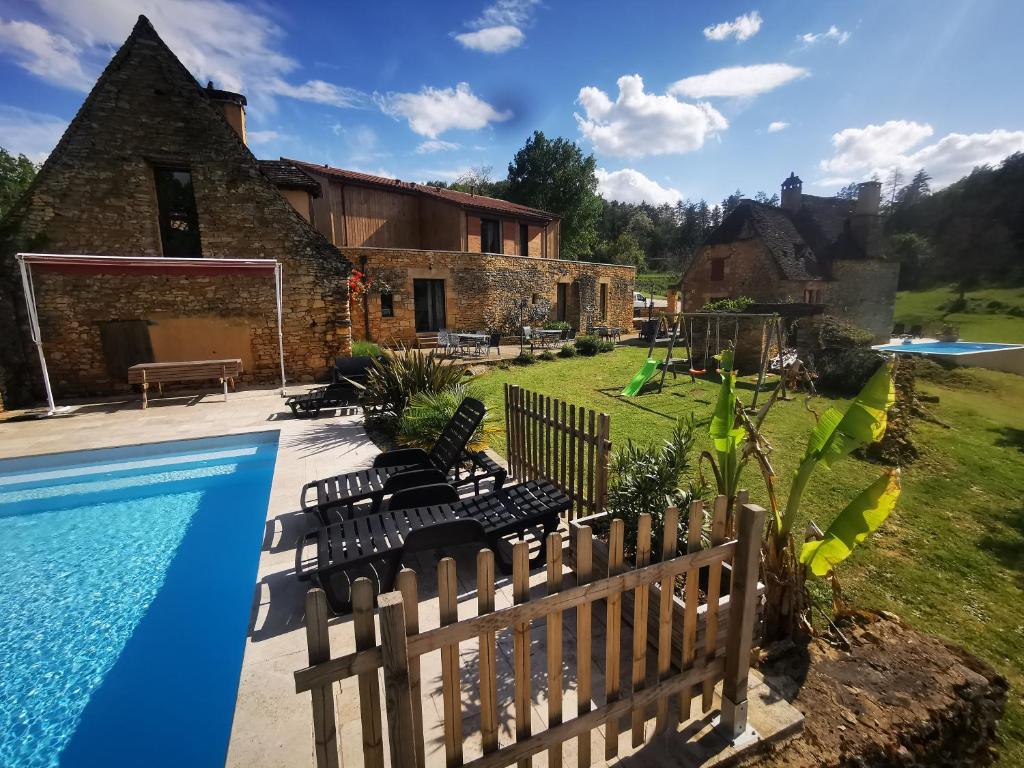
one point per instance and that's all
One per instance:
(600, 570)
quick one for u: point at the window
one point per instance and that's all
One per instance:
(179, 222)
(428, 302)
(387, 305)
(560, 300)
(604, 301)
(718, 269)
(524, 240)
(490, 236)
(812, 295)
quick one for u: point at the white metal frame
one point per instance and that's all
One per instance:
(26, 260)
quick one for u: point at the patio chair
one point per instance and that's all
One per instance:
(528, 337)
(312, 402)
(424, 518)
(351, 368)
(402, 468)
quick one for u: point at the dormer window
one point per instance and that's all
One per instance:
(179, 221)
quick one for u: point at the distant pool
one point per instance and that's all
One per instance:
(947, 347)
(126, 582)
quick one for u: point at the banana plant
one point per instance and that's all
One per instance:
(726, 435)
(837, 435)
(856, 522)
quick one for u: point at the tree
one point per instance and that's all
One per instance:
(912, 251)
(849, 192)
(892, 185)
(623, 250)
(16, 173)
(731, 202)
(916, 190)
(555, 176)
(763, 198)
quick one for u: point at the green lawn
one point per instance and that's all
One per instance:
(659, 281)
(986, 318)
(950, 560)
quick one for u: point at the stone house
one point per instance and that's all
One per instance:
(821, 251)
(154, 164)
(452, 259)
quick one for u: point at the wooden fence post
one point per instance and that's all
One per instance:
(369, 691)
(603, 449)
(397, 691)
(509, 447)
(410, 595)
(318, 642)
(742, 610)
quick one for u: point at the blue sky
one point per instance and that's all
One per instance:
(692, 99)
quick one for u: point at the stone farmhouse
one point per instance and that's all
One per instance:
(156, 165)
(821, 251)
(451, 259)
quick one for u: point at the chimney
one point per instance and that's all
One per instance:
(868, 195)
(232, 105)
(792, 192)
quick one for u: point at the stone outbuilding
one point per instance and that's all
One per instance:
(154, 164)
(821, 251)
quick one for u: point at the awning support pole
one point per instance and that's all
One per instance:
(33, 320)
(278, 290)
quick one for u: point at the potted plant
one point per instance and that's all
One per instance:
(949, 332)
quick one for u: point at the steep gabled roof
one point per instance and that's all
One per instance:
(464, 199)
(795, 258)
(287, 175)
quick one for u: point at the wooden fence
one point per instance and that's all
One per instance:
(669, 694)
(549, 438)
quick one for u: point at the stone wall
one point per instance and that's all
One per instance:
(477, 286)
(864, 293)
(749, 271)
(96, 195)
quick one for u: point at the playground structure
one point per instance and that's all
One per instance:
(687, 328)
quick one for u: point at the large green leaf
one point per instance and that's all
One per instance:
(836, 436)
(725, 436)
(861, 518)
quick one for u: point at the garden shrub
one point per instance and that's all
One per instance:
(649, 478)
(843, 358)
(525, 358)
(738, 304)
(605, 345)
(548, 355)
(557, 325)
(567, 350)
(587, 346)
(395, 377)
(427, 414)
(363, 348)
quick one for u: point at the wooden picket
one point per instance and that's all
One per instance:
(570, 446)
(403, 643)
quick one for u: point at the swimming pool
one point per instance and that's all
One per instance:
(126, 583)
(947, 347)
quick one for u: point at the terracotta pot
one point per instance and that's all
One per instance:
(600, 570)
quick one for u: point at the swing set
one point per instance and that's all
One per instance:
(682, 327)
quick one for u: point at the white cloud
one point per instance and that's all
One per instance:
(499, 27)
(833, 33)
(220, 40)
(265, 137)
(435, 145)
(738, 81)
(493, 39)
(637, 124)
(631, 186)
(433, 111)
(777, 125)
(742, 28)
(879, 149)
(33, 134)
(384, 172)
(49, 56)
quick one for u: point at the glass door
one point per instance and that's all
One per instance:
(428, 297)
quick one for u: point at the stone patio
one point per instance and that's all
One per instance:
(272, 724)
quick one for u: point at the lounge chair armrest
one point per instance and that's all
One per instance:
(413, 478)
(401, 456)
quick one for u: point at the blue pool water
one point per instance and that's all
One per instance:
(946, 347)
(126, 584)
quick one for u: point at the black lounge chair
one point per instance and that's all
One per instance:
(312, 402)
(351, 368)
(408, 468)
(373, 545)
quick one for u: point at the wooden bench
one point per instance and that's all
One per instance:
(225, 371)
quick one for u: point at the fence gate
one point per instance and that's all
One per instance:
(668, 694)
(551, 439)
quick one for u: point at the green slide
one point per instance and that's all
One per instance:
(642, 377)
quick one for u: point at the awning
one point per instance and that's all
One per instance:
(31, 263)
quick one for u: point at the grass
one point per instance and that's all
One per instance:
(950, 561)
(988, 315)
(658, 281)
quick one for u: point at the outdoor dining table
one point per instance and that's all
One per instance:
(548, 336)
(607, 332)
(476, 340)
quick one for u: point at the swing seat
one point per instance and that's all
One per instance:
(697, 372)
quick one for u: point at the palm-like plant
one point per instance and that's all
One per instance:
(395, 377)
(428, 413)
